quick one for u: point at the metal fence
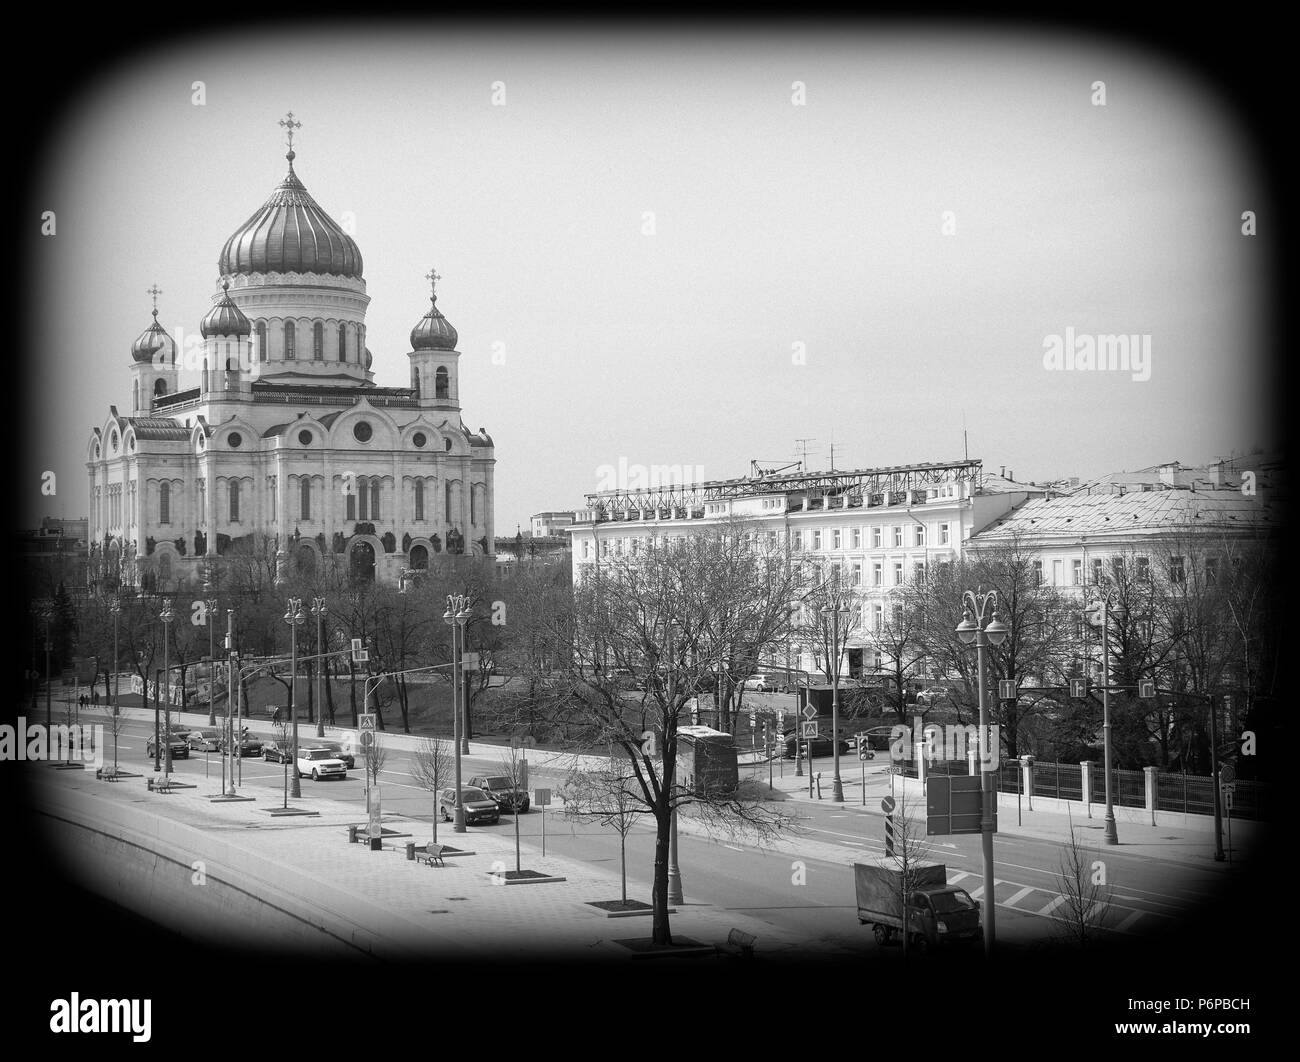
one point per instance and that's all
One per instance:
(1188, 794)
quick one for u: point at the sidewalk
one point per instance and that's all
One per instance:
(374, 901)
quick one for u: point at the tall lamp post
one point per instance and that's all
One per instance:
(115, 610)
(45, 612)
(457, 614)
(211, 606)
(1100, 616)
(318, 610)
(166, 615)
(973, 628)
(295, 617)
(834, 611)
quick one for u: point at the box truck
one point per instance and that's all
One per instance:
(937, 913)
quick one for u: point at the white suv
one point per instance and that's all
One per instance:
(759, 683)
(320, 763)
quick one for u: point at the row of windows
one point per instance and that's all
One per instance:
(1176, 570)
(363, 505)
(338, 344)
(852, 538)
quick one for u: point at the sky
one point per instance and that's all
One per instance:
(694, 248)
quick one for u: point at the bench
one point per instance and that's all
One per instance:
(432, 855)
(159, 785)
(740, 943)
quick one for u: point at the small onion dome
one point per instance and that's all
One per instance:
(225, 318)
(434, 332)
(151, 341)
(370, 359)
(290, 233)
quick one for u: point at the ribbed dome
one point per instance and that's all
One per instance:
(291, 234)
(225, 318)
(152, 340)
(433, 332)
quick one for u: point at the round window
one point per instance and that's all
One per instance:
(419, 438)
(235, 440)
(362, 431)
(304, 437)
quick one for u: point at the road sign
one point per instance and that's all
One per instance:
(1006, 689)
(1227, 774)
(541, 797)
(359, 654)
(953, 804)
(1228, 790)
(808, 730)
(753, 720)
(1078, 688)
(1146, 689)
(810, 711)
(889, 834)
(887, 805)
(366, 721)
(780, 719)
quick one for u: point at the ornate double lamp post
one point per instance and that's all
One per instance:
(166, 615)
(295, 617)
(457, 615)
(973, 628)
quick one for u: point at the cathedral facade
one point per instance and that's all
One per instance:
(286, 447)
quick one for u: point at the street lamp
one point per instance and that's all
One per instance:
(166, 615)
(458, 612)
(1100, 613)
(45, 613)
(295, 617)
(974, 629)
(318, 610)
(115, 610)
(837, 787)
(211, 605)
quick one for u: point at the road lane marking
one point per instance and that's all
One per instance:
(1133, 917)
(1045, 911)
(1011, 901)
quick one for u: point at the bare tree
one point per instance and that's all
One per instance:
(609, 797)
(373, 758)
(431, 768)
(511, 766)
(1084, 893)
(912, 852)
(667, 614)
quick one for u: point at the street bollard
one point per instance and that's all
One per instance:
(410, 851)
(352, 835)
(148, 782)
(819, 785)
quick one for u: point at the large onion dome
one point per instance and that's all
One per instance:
(225, 318)
(152, 340)
(433, 332)
(291, 234)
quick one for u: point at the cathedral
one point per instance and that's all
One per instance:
(286, 447)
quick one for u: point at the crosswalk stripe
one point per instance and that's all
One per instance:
(1011, 901)
(1051, 906)
(1133, 917)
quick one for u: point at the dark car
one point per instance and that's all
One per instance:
(274, 752)
(337, 750)
(249, 744)
(479, 807)
(180, 746)
(821, 746)
(498, 787)
(204, 741)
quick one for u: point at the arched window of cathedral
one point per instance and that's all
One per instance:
(165, 503)
(350, 506)
(160, 387)
(415, 381)
(419, 500)
(306, 498)
(135, 397)
(261, 341)
(374, 499)
(343, 343)
(362, 484)
(448, 498)
(440, 383)
(164, 568)
(473, 505)
(289, 339)
(318, 342)
(234, 501)
(419, 558)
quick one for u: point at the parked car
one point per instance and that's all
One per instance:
(821, 746)
(274, 752)
(320, 763)
(249, 744)
(479, 807)
(204, 741)
(498, 787)
(337, 750)
(933, 694)
(179, 745)
(760, 684)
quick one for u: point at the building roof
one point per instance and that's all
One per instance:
(1132, 513)
(158, 428)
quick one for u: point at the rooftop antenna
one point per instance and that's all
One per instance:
(965, 446)
(803, 445)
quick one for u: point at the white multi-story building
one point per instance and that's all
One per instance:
(286, 437)
(871, 529)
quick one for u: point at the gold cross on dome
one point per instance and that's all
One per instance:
(155, 291)
(288, 123)
(432, 276)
